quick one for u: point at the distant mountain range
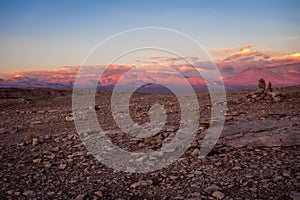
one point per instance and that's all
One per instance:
(280, 76)
(27, 82)
(248, 78)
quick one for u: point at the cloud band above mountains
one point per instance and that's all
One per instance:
(238, 67)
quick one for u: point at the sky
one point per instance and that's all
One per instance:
(43, 35)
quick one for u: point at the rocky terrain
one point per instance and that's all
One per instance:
(42, 157)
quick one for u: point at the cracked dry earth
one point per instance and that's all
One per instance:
(41, 156)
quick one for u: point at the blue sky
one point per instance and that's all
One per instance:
(46, 34)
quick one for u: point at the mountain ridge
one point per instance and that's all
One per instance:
(246, 78)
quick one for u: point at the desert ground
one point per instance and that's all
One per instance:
(42, 157)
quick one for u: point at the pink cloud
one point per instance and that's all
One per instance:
(238, 60)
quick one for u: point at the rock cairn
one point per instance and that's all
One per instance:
(264, 92)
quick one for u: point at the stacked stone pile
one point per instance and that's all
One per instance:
(264, 93)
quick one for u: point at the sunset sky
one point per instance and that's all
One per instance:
(43, 35)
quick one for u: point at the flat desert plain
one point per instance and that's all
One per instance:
(42, 157)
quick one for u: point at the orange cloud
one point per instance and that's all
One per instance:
(243, 53)
(225, 51)
(248, 47)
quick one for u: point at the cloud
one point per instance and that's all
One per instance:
(167, 60)
(289, 59)
(225, 51)
(243, 53)
(245, 47)
(236, 60)
(222, 51)
(245, 57)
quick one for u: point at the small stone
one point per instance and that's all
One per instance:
(197, 172)
(141, 184)
(130, 169)
(17, 193)
(45, 151)
(249, 176)
(98, 107)
(62, 166)
(69, 118)
(2, 130)
(256, 130)
(236, 168)
(218, 195)
(28, 193)
(277, 99)
(36, 122)
(9, 192)
(21, 144)
(35, 141)
(37, 161)
(277, 178)
(157, 154)
(72, 181)
(47, 164)
(195, 153)
(147, 140)
(204, 160)
(195, 194)
(98, 194)
(286, 174)
(201, 128)
(212, 188)
(47, 137)
(51, 193)
(173, 178)
(55, 149)
(80, 197)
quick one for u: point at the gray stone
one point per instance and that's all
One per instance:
(218, 195)
(211, 188)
